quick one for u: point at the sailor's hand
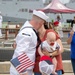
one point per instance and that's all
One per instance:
(26, 73)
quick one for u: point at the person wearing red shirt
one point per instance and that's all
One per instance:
(59, 69)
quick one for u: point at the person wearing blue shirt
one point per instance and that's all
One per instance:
(71, 40)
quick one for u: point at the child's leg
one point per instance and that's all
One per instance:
(55, 64)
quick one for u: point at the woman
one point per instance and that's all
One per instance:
(42, 34)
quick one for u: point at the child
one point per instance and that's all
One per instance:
(51, 45)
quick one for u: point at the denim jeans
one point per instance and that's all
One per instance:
(73, 65)
(37, 73)
(58, 72)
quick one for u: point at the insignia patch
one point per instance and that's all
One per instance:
(25, 34)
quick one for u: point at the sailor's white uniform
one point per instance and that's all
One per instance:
(26, 42)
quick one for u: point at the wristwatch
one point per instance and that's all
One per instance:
(50, 54)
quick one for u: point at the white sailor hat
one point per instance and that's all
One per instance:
(45, 65)
(40, 14)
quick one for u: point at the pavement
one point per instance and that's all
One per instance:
(63, 74)
(68, 74)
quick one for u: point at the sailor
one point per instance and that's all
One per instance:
(1, 19)
(26, 41)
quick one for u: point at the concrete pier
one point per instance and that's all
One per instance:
(5, 66)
